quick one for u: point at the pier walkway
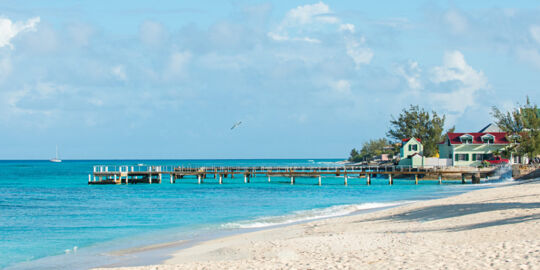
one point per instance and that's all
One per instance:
(127, 174)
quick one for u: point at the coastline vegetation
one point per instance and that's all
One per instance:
(523, 128)
(415, 122)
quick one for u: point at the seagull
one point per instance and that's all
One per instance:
(236, 125)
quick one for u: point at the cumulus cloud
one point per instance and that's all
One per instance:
(468, 82)
(306, 14)
(9, 29)
(300, 17)
(411, 74)
(357, 50)
(347, 27)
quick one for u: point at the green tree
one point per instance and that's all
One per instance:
(522, 126)
(418, 123)
(370, 149)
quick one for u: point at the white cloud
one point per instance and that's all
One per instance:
(347, 27)
(301, 19)
(119, 72)
(411, 73)
(359, 53)
(469, 82)
(307, 14)
(9, 29)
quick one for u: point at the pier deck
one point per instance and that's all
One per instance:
(104, 174)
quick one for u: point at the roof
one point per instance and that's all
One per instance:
(408, 139)
(490, 128)
(500, 137)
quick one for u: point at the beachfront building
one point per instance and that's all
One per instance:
(409, 147)
(470, 149)
(410, 152)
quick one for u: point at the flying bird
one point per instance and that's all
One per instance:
(236, 125)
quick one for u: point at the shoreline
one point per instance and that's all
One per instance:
(210, 256)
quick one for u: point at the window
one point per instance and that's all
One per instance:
(488, 138)
(414, 147)
(478, 157)
(462, 157)
(466, 138)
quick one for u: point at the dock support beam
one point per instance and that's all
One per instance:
(368, 177)
(150, 178)
(345, 178)
(292, 180)
(320, 180)
(199, 179)
(220, 179)
(416, 179)
(172, 179)
(89, 178)
(463, 178)
(440, 179)
(390, 179)
(268, 178)
(245, 178)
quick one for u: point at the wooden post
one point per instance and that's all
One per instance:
(220, 179)
(199, 179)
(416, 179)
(268, 178)
(368, 177)
(150, 178)
(319, 180)
(159, 175)
(390, 179)
(345, 178)
(440, 179)
(89, 178)
(245, 178)
(463, 178)
(292, 180)
(172, 180)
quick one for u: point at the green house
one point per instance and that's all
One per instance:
(411, 152)
(470, 149)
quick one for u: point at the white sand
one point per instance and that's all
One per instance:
(495, 228)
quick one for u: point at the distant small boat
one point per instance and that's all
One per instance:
(56, 159)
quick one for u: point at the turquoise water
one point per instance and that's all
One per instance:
(51, 218)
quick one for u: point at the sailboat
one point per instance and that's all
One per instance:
(56, 159)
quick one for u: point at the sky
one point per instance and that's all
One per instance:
(308, 79)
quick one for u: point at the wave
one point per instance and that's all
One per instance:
(308, 215)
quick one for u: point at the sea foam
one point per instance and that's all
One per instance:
(308, 215)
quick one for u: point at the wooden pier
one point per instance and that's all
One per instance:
(105, 174)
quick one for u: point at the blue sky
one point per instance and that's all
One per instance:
(308, 79)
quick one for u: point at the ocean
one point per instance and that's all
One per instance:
(51, 218)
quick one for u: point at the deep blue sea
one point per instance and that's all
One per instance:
(51, 218)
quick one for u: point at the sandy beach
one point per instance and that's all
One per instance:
(496, 228)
